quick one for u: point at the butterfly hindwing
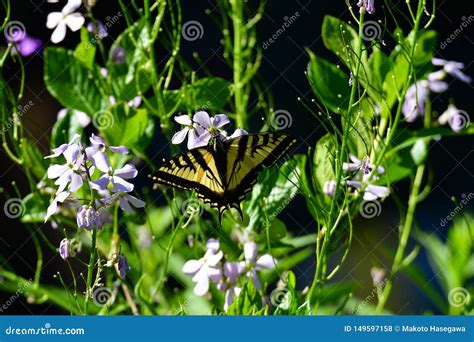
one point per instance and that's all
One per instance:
(224, 173)
(247, 156)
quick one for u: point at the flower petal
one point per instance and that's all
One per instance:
(124, 205)
(71, 6)
(121, 185)
(136, 202)
(191, 267)
(59, 32)
(250, 251)
(203, 119)
(53, 19)
(74, 21)
(184, 120)
(220, 120)
(55, 171)
(265, 262)
(127, 172)
(100, 161)
(179, 136)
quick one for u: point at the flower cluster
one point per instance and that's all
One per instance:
(90, 165)
(68, 17)
(202, 128)
(226, 274)
(364, 173)
(418, 94)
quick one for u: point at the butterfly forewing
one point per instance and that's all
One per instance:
(223, 176)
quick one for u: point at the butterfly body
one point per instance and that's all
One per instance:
(224, 172)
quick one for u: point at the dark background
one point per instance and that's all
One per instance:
(283, 69)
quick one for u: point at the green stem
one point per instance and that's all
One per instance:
(237, 22)
(398, 260)
(90, 271)
(319, 276)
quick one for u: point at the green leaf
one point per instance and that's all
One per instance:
(64, 129)
(361, 133)
(35, 209)
(85, 50)
(131, 77)
(378, 67)
(340, 38)
(33, 158)
(324, 154)
(69, 82)
(396, 77)
(329, 83)
(249, 301)
(425, 47)
(124, 126)
(273, 192)
(210, 93)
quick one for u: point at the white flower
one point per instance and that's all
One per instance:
(206, 268)
(59, 21)
(69, 173)
(452, 68)
(371, 192)
(253, 263)
(82, 118)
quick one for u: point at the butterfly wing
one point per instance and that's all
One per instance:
(247, 155)
(194, 170)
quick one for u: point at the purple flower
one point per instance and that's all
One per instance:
(456, 118)
(96, 152)
(363, 166)
(104, 72)
(253, 263)
(65, 249)
(329, 187)
(212, 126)
(366, 5)
(81, 117)
(117, 177)
(53, 207)
(122, 265)
(97, 28)
(205, 269)
(417, 94)
(135, 102)
(371, 192)
(66, 18)
(452, 68)
(118, 55)
(88, 218)
(69, 173)
(191, 130)
(24, 45)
